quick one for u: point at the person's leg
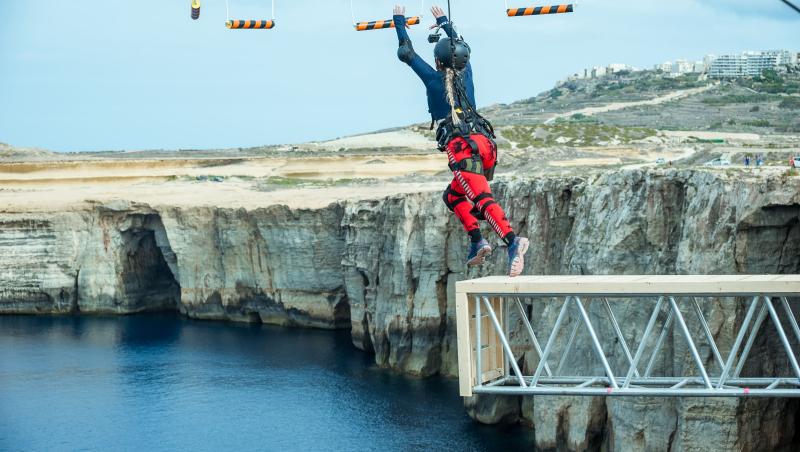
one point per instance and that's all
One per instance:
(456, 201)
(476, 188)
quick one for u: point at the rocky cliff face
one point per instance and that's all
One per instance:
(387, 268)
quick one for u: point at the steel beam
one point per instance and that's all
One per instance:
(726, 383)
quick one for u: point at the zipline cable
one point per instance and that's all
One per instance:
(792, 5)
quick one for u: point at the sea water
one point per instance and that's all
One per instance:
(160, 382)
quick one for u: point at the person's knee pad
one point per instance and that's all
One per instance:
(476, 212)
(482, 202)
(451, 200)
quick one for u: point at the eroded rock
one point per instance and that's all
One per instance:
(387, 269)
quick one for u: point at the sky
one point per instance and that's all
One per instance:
(89, 75)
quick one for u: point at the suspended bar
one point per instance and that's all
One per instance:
(195, 9)
(540, 10)
(381, 24)
(250, 24)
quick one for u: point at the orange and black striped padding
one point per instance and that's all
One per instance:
(378, 24)
(538, 10)
(250, 24)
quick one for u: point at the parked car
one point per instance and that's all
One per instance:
(660, 161)
(719, 161)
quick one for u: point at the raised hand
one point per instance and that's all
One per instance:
(399, 10)
(437, 12)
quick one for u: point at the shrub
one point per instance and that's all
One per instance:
(738, 99)
(758, 123)
(790, 103)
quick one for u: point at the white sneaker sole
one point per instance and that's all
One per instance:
(480, 258)
(518, 264)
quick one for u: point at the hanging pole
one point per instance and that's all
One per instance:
(238, 24)
(540, 10)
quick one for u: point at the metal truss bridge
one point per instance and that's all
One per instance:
(488, 365)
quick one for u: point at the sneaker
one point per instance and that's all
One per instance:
(478, 252)
(516, 256)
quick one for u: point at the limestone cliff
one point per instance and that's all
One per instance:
(386, 268)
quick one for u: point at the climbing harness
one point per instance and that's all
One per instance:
(238, 24)
(381, 24)
(195, 9)
(470, 121)
(540, 10)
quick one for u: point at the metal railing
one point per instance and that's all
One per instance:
(487, 340)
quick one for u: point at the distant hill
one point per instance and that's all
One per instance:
(11, 153)
(767, 104)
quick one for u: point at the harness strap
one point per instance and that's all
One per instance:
(469, 165)
(472, 144)
(485, 206)
(481, 197)
(475, 212)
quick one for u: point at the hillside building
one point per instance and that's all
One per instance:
(750, 64)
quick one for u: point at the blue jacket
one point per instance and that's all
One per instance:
(433, 79)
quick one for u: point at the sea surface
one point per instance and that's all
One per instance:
(160, 382)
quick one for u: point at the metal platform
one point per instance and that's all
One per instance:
(487, 364)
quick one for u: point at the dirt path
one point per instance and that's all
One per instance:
(706, 135)
(589, 111)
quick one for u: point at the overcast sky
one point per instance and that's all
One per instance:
(113, 74)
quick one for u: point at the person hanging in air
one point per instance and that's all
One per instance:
(465, 136)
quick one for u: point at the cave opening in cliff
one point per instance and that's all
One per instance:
(147, 279)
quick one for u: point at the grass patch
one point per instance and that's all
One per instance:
(758, 123)
(790, 103)
(730, 99)
(574, 134)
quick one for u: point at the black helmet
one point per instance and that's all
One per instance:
(452, 53)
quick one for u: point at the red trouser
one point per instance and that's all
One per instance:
(474, 187)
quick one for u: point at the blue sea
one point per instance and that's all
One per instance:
(161, 382)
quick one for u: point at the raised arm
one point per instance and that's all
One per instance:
(441, 18)
(447, 26)
(406, 52)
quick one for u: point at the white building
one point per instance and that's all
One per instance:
(664, 67)
(617, 67)
(749, 64)
(681, 67)
(598, 71)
